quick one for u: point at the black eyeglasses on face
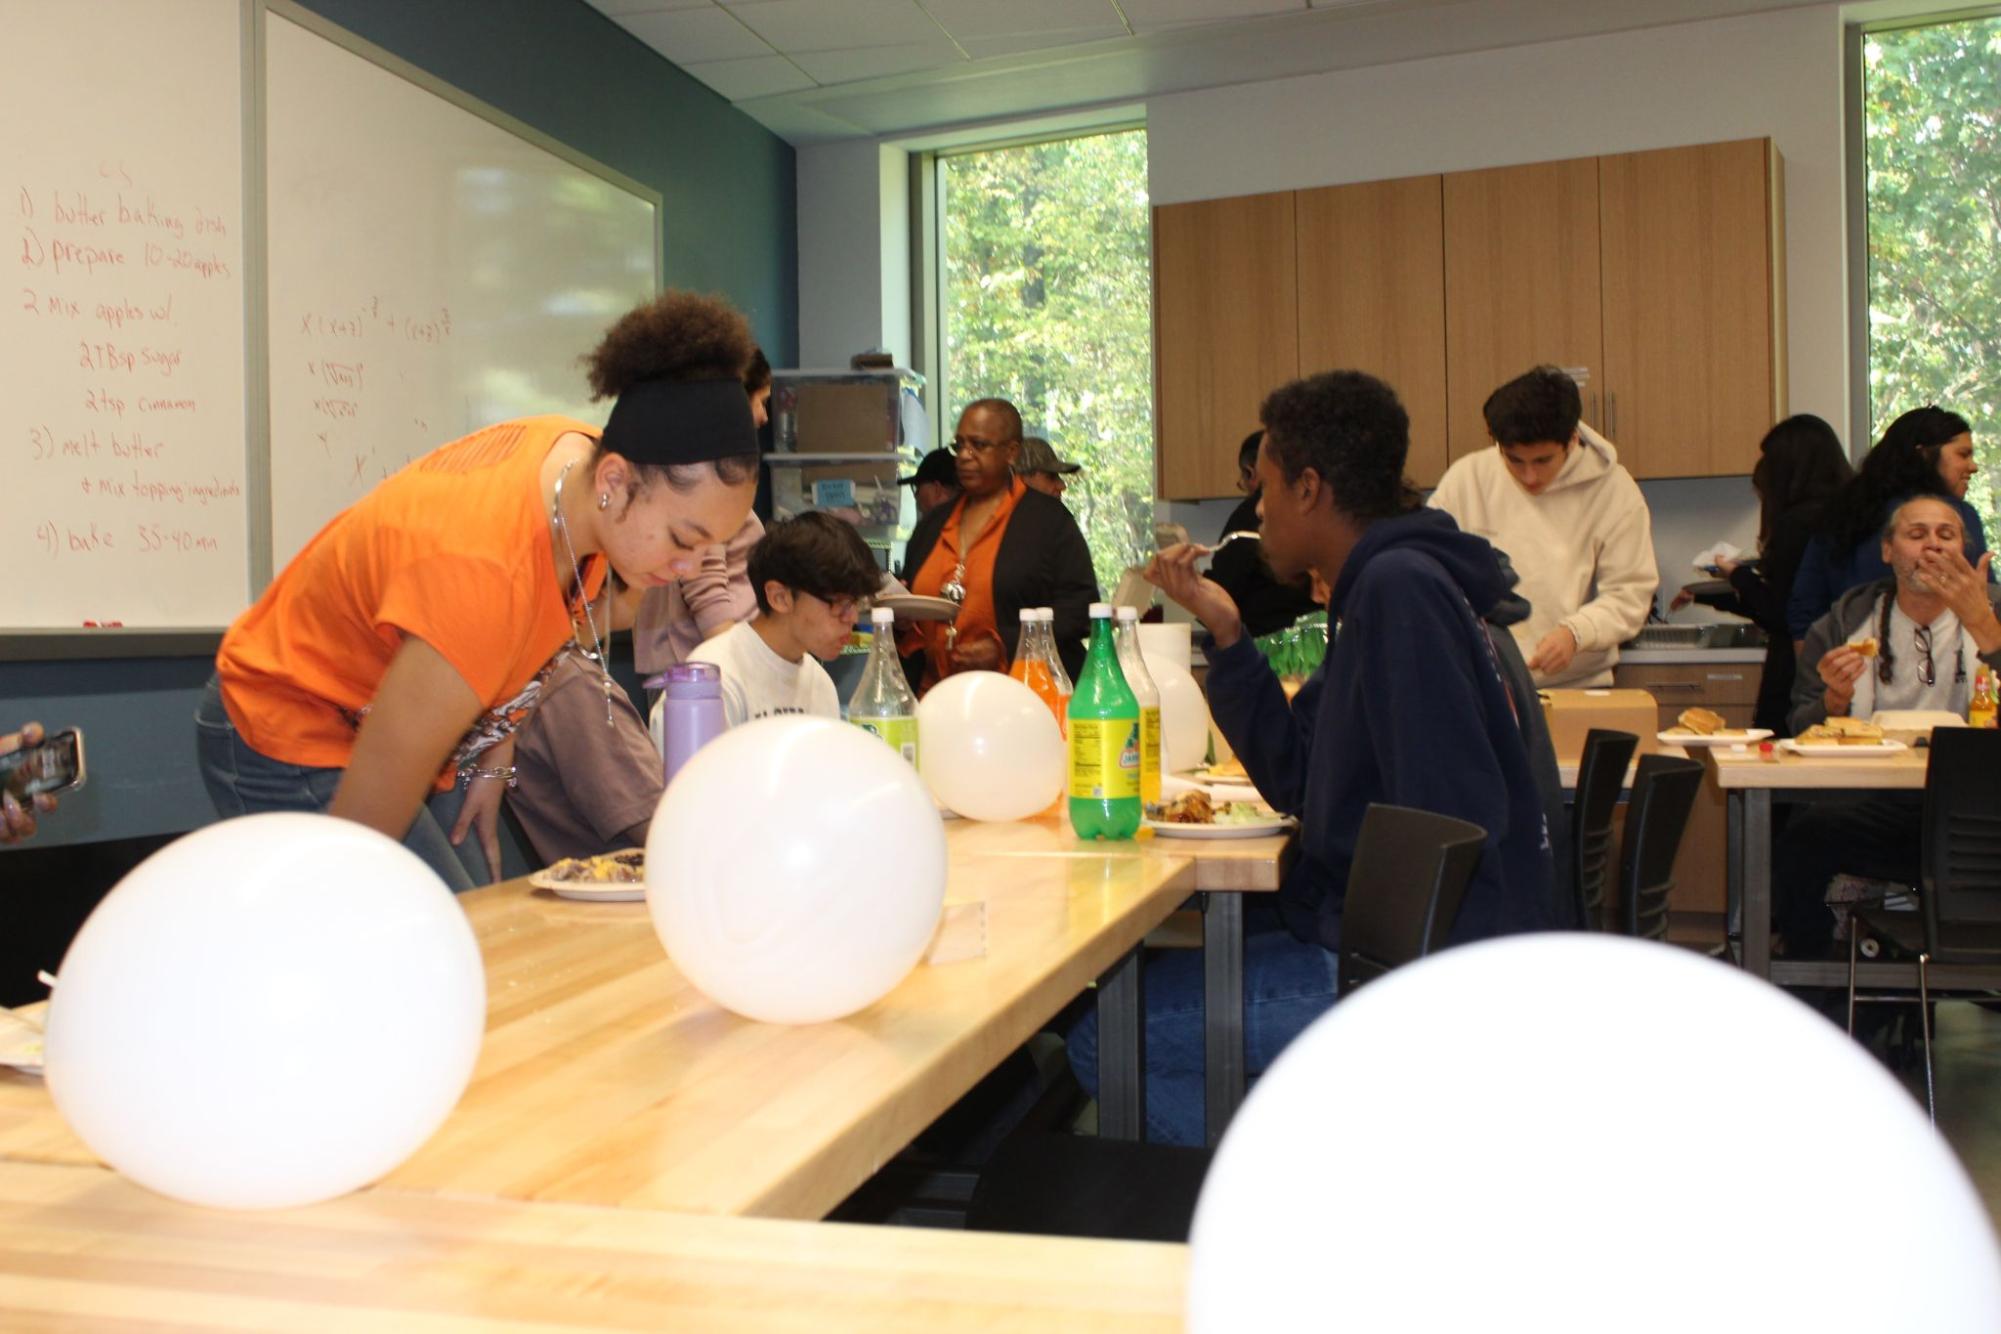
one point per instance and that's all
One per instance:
(1927, 673)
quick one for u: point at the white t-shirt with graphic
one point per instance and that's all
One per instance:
(758, 683)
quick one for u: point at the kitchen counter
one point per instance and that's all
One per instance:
(1692, 655)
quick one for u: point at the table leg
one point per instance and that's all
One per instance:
(1222, 1008)
(1733, 874)
(1122, 1050)
(1756, 861)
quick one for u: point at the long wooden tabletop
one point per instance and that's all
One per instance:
(1900, 770)
(80, 1248)
(605, 1078)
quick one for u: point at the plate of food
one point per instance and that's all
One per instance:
(1843, 738)
(1194, 815)
(615, 877)
(1706, 727)
(21, 1038)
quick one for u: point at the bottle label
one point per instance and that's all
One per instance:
(900, 733)
(1104, 758)
(1149, 754)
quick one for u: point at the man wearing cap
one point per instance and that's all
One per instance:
(1041, 469)
(935, 483)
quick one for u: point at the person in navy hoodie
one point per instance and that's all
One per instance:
(1410, 708)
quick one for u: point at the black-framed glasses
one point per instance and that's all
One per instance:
(1927, 673)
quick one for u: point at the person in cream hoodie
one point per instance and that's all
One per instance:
(1551, 494)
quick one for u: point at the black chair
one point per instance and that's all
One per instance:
(1404, 889)
(1601, 775)
(1664, 791)
(1958, 921)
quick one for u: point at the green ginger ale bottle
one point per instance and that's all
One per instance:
(1104, 740)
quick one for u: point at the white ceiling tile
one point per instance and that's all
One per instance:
(1004, 18)
(875, 62)
(1007, 44)
(762, 76)
(695, 36)
(1154, 15)
(620, 8)
(835, 25)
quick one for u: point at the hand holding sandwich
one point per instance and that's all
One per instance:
(1840, 668)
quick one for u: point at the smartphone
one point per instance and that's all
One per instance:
(54, 764)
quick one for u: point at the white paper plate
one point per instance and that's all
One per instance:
(1748, 736)
(918, 607)
(1837, 751)
(588, 891)
(20, 1047)
(1278, 824)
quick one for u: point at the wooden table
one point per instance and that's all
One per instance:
(1223, 870)
(1750, 785)
(80, 1247)
(605, 1078)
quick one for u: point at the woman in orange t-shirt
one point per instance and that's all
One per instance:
(382, 674)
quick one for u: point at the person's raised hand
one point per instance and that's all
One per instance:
(1173, 572)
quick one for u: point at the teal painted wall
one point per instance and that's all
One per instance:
(565, 69)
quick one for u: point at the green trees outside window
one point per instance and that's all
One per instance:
(1932, 114)
(1047, 296)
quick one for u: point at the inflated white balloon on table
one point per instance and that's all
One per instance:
(795, 870)
(271, 1011)
(989, 747)
(1566, 1132)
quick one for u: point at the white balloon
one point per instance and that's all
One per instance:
(795, 870)
(1585, 1133)
(989, 747)
(271, 1011)
(1184, 716)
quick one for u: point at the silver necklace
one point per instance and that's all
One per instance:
(596, 652)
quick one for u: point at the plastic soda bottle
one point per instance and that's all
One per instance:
(1980, 708)
(1148, 695)
(1032, 666)
(1104, 741)
(883, 702)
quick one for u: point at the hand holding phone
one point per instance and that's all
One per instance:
(34, 767)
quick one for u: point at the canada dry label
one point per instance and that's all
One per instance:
(900, 733)
(1104, 758)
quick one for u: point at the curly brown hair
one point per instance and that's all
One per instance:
(675, 336)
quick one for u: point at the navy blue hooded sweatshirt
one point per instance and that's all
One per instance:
(1409, 709)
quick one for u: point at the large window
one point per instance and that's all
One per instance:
(1931, 99)
(1046, 300)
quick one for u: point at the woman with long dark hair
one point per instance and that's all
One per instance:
(1926, 452)
(1800, 464)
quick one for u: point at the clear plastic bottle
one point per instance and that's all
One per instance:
(1981, 706)
(1104, 741)
(883, 702)
(1148, 695)
(1064, 685)
(1033, 663)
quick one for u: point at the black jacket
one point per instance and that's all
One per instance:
(1043, 562)
(1759, 593)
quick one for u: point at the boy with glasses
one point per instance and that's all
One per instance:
(810, 574)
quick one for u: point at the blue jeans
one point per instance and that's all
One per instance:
(1287, 985)
(244, 781)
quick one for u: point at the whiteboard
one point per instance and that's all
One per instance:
(122, 417)
(430, 272)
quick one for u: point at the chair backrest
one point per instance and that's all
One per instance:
(1664, 791)
(1961, 865)
(1404, 887)
(1601, 773)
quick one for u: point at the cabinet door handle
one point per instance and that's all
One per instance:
(1612, 416)
(1684, 686)
(1726, 676)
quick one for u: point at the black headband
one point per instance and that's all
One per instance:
(665, 422)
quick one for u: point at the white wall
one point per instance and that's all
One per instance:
(1775, 74)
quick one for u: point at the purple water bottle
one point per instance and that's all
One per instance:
(691, 711)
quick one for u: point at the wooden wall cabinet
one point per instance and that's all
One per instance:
(1372, 298)
(1661, 273)
(1521, 283)
(1225, 332)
